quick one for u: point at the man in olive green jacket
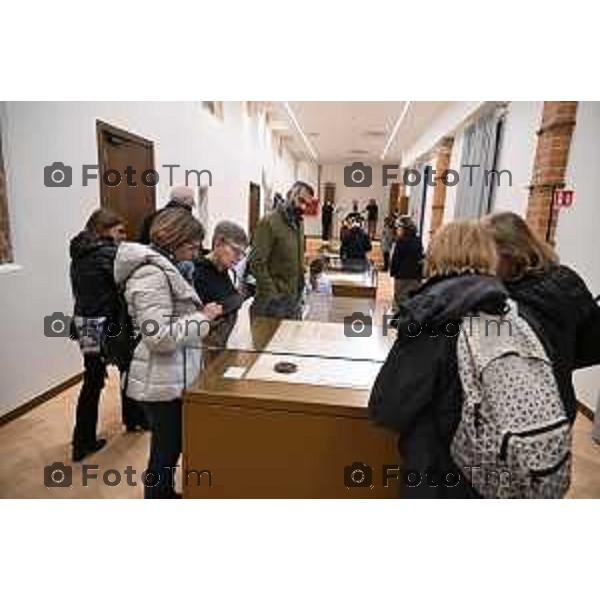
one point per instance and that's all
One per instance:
(277, 257)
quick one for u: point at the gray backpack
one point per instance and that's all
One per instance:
(514, 439)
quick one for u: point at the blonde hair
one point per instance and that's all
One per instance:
(519, 249)
(461, 247)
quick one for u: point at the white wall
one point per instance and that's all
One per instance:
(577, 226)
(345, 195)
(236, 150)
(517, 153)
(446, 123)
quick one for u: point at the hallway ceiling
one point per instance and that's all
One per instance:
(340, 132)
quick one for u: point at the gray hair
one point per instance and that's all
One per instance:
(229, 232)
(182, 195)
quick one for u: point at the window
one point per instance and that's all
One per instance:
(213, 107)
(5, 245)
(480, 148)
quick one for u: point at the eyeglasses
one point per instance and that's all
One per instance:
(238, 250)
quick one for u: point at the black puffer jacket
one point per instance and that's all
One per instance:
(407, 258)
(418, 391)
(92, 278)
(561, 309)
(355, 245)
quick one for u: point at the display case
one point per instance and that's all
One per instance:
(280, 410)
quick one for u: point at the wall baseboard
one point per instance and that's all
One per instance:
(75, 379)
(586, 411)
(43, 397)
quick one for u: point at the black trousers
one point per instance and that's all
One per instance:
(386, 261)
(165, 419)
(326, 229)
(86, 417)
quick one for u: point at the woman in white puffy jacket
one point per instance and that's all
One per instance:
(168, 314)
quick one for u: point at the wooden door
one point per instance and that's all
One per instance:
(119, 150)
(253, 207)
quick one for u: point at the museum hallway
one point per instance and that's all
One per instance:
(40, 437)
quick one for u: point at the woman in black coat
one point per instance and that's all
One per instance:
(552, 297)
(418, 391)
(407, 261)
(92, 254)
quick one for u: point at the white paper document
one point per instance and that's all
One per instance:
(317, 371)
(322, 354)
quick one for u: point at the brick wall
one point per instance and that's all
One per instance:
(549, 167)
(442, 163)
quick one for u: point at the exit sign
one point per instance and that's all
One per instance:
(564, 198)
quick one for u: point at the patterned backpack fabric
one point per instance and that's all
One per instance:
(514, 439)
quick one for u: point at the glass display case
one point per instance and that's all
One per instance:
(280, 406)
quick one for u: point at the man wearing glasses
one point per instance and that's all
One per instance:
(277, 256)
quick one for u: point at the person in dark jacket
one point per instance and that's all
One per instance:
(215, 279)
(372, 217)
(355, 246)
(327, 211)
(418, 392)
(552, 297)
(407, 261)
(92, 254)
(180, 196)
(355, 215)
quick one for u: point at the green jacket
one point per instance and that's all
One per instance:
(277, 257)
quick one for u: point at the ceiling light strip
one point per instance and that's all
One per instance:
(292, 116)
(395, 130)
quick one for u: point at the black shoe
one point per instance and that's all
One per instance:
(80, 453)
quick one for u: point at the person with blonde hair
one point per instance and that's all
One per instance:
(552, 297)
(418, 391)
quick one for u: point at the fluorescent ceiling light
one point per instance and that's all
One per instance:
(278, 125)
(395, 130)
(293, 119)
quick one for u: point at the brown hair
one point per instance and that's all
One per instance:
(173, 227)
(461, 247)
(519, 249)
(101, 220)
